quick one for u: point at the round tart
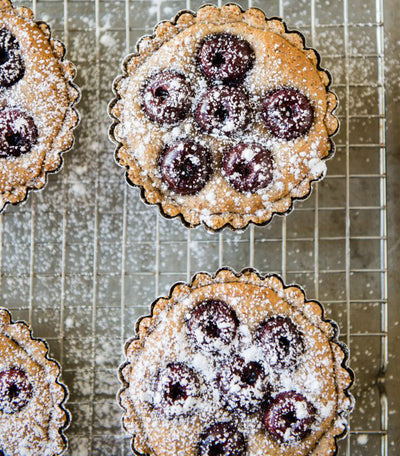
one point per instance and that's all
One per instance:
(32, 416)
(235, 365)
(36, 103)
(223, 117)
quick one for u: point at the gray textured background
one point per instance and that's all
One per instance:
(392, 21)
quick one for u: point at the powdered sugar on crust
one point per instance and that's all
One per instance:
(320, 374)
(280, 61)
(45, 93)
(36, 429)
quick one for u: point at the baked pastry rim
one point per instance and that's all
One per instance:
(227, 275)
(42, 347)
(19, 194)
(162, 33)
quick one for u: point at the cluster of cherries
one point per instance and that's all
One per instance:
(15, 390)
(224, 108)
(243, 387)
(18, 132)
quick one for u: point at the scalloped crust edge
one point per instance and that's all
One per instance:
(39, 350)
(148, 44)
(64, 140)
(295, 295)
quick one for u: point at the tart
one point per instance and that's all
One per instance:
(235, 365)
(37, 100)
(32, 416)
(223, 117)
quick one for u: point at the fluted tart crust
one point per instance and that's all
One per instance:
(279, 60)
(36, 87)
(32, 413)
(172, 392)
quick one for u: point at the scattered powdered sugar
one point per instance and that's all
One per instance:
(318, 169)
(248, 154)
(108, 41)
(362, 439)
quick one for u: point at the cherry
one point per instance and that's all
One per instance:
(166, 97)
(289, 417)
(18, 133)
(212, 325)
(12, 67)
(175, 388)
(248, 167)
(281, 342)
(186, 166)
(243, 385)
(225, 57)
(15, 390)
(287, 113)
(222, 439)
(223, 110)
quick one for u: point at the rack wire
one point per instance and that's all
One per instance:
(84, 258)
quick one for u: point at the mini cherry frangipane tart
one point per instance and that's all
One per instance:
(235, 365)
(223, 117)
(32, 415)
(37, 100)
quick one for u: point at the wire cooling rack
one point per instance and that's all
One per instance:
(84, 258)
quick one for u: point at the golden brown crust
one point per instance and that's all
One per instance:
(48, 94)
(224, 212)
(289, 300)
(38, 427)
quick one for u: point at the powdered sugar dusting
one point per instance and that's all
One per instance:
(44, 93)
(169, 341)
(295, 161)
(34, 427)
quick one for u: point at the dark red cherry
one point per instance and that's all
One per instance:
(248, 167)
(243, 385)
(212, 325)
(186, 166)
(18, 133)
(287, 113)
(167, 97)
(175, 389)
(12, 67)
(223, 109)
(289, 417)
(225, 57)
(222, 439)
(15, 390)
(281, 342)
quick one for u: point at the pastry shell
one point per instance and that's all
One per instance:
(48, 94)
(293, 295)
(150, 189)
(35, 428)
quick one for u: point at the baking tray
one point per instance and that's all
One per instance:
(83, 259)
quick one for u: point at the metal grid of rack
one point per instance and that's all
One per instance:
(84, 258)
